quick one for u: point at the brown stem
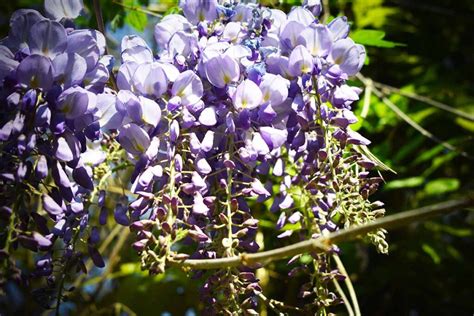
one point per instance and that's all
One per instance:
(323, 243)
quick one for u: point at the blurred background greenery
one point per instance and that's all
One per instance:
(422, 47)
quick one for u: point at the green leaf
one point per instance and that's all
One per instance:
(138, 20)
(467, 125)
(442, 185)
(432, 253)
(404, 183)
(290, 226)
(305, 259)
(373, 38)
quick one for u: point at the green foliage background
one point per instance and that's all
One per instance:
(423, 47)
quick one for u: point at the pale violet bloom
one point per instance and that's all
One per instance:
(222, 70)
(317, 39)
(47, 38)
(347, 56)
(300, 61)
(339, 28)
(188, 87)
(274, 89)
(247, 95)
(59, 9)
(301, 15)
(133, 139)
(199, 10)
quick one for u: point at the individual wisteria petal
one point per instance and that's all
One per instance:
(344, 95)
(83, 43)
(67, 147)
(50, 205)
(339, 28)
(300, 61)
(42, 241)
(135, 49)
(8, 63)
(274, 89)
(258, 188)
(208, 116)
(96, 79)
(74, 102)
(247, 95)
(96, 257)
(150, 79)
(188, 87)
(347, 56)
(47, 38)
(198, 206)
(222, 70)
(302, 15)
(317, 39)
(243, 13)
(362, 55)
(69, 69)
(182, 43)
(259, 144)
(35, 71)
(313, 5)
(174, 131)
(120, 215)
(133, 139)
(169, 25)
(21, 22)
(278, 64)
(232, 31)
(137, 54)
(83, 176)
(274, 137)
(128, 102)
(356, 138)
(295, 217)
(289, 34)
(199, 10)
(150, 111)
(203, 166)
(58, 9)
(125, 74)
(41, 170)
(108, 115)
(208, 141)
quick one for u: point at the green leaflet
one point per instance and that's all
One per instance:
(373, 38)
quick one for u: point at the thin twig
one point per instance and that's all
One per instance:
(326, 11)
(323, 243)
(437, 104)
(101, 27)
(411, 122)
(138, 9)
(344, 298)
(347, 281)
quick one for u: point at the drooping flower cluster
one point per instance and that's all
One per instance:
(241, 104)
(52, 77)
(240, 96)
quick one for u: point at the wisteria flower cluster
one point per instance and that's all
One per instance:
(240, 105)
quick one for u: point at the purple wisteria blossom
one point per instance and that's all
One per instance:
(240, 106)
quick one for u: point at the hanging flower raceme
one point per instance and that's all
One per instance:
(51, 81)
(241, 105)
